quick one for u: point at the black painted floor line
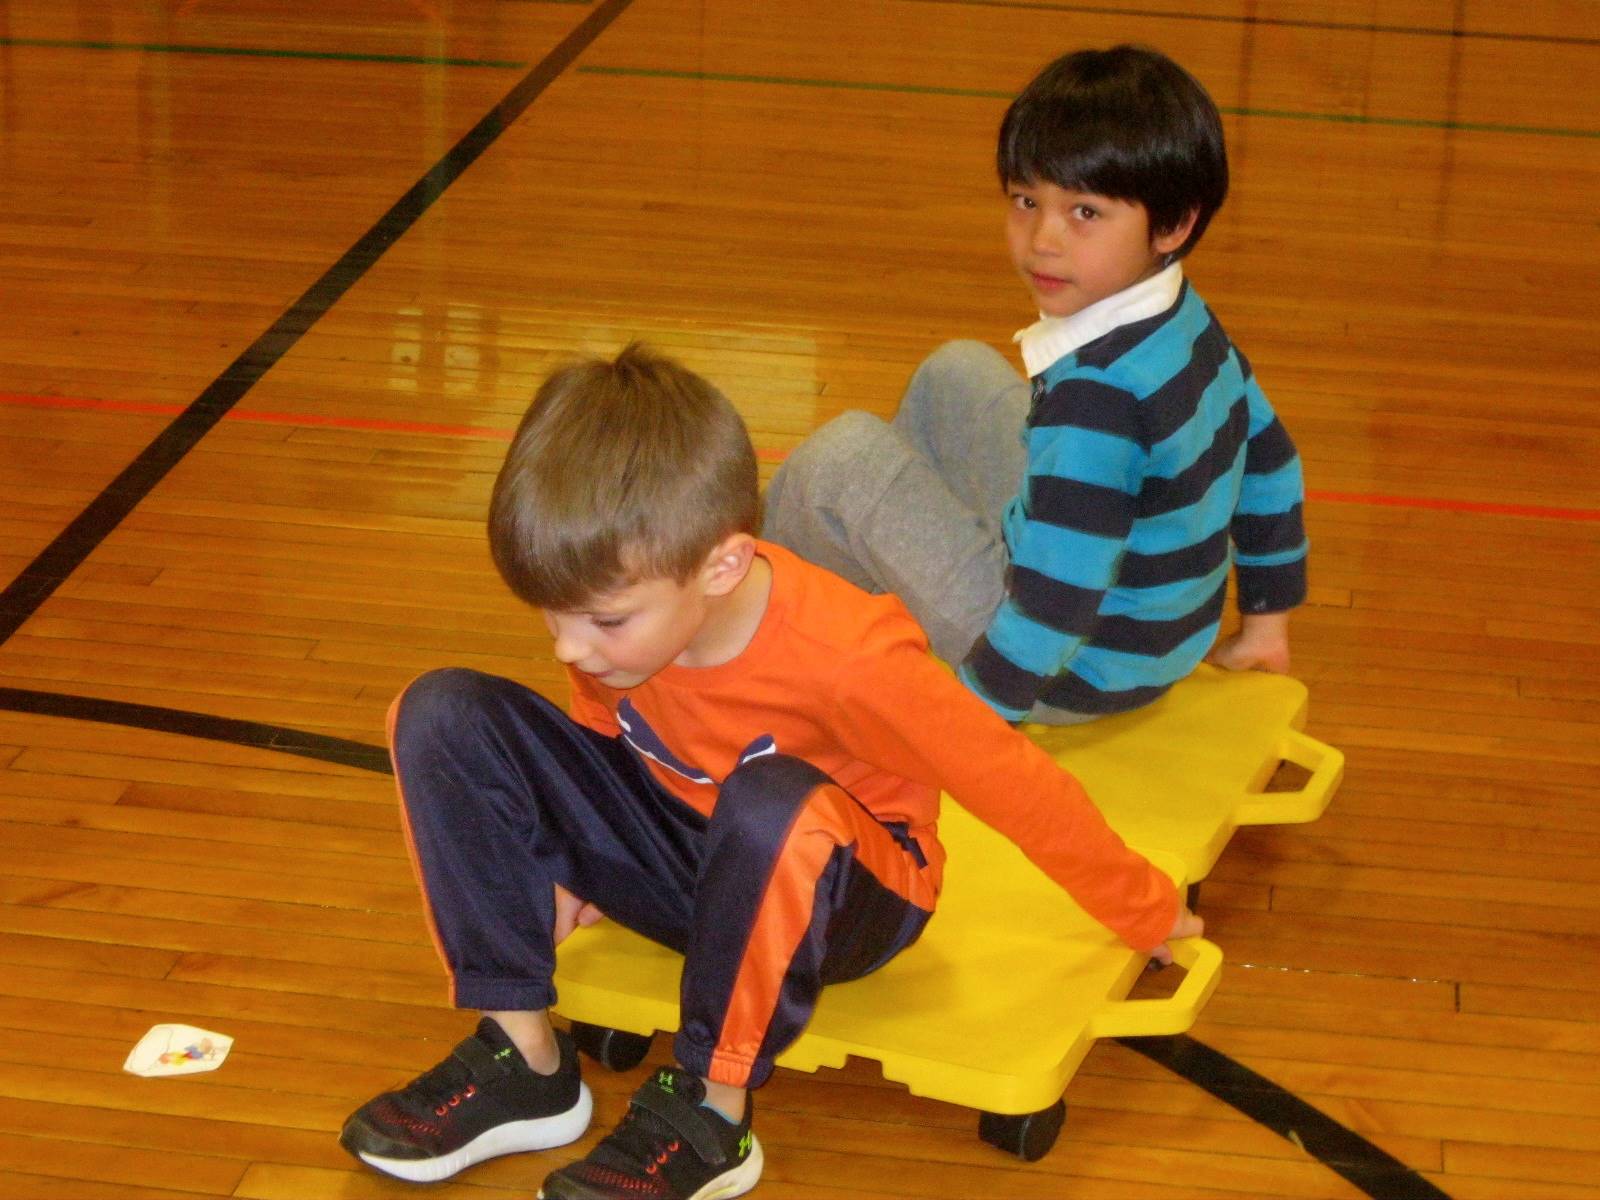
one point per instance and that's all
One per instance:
(56, 562)
(1373, 1170)
(229, 730)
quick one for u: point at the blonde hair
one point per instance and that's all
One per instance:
(620, 471)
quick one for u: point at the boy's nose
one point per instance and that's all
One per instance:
(568, 649)
(1046, 235)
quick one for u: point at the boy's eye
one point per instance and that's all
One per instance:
(608, 622)
(1018, 200)
(1086, 212)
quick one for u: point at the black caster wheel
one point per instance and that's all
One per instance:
(611, 1047)
(1193, 898)
(1029, 1136)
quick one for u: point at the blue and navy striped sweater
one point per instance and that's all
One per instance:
(1154, 460)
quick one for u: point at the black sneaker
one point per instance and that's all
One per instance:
(668, 1147)
(482, 1101)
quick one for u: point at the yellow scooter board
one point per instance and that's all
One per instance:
(1000, 1000)
(1183, 773)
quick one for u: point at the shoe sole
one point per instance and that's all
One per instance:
(514, 1137)
(737, 1181)
(730, 1183)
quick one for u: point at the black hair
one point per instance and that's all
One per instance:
(1128, 123)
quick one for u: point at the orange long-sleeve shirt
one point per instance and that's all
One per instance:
(843, 680)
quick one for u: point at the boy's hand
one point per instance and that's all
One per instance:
(1261, 644)
(571, 913)
(1187, 925)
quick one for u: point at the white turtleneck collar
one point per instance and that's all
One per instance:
(1052, 338)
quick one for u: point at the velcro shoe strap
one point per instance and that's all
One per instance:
(685, 1119)
(480, 1061)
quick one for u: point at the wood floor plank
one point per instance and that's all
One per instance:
(304, 779)
(78, 925)
(213, 1002)
(395, 897)
(291, 919)
(276, 1181)
(1454, 1036)
(1569, 1172)
(1308, 1044)
(118, 1166)
(1549, 926)
(196, 850)
(25, 1186)
(240, 1141)
(329, 841)
(373, 812)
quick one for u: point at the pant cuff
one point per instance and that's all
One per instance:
(720, 1067)
(502, 995)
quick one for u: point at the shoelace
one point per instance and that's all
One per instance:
(642, 1141)
(440, 1089)
(455, 1099)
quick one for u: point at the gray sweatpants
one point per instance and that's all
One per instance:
(913, 506)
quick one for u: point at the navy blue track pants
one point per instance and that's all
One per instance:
(790, 884)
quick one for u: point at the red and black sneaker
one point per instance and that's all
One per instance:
(482, 1101)
(669, 1146)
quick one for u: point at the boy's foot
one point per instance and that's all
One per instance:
(669, 1146)
(482, 1101)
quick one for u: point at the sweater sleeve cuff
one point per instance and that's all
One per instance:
(1158, 917)
(1272, 589)
(998, 682)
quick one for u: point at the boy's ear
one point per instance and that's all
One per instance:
(728, 564)
(1166, 243)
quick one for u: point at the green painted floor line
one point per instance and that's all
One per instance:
(254, 52)
(1274, 22)
(850, 85)
(916, 90)
(1412, 122)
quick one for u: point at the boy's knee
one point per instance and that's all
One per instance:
(837, 451)
(958, 361)
(771, 778)
(962, 350)
(955, 379)
(823, 477)
(444, 699)
(763, 794)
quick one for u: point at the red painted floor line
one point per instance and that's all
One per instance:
(1492, 508)
(489, 433)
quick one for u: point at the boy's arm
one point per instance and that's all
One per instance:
(903, 712)
(1085, 467)
(1268, 529)
(1269, 540)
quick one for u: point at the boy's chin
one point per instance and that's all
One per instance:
(1055, 305)
(620, 680)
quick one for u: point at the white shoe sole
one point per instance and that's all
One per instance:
(732, 1183)
(514, 1137)
(737, 1181)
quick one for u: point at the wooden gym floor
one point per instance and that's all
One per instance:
(278, 278)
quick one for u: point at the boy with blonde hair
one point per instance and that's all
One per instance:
(750, 774)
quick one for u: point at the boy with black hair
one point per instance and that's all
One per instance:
(1079, 569)
(750, 773)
